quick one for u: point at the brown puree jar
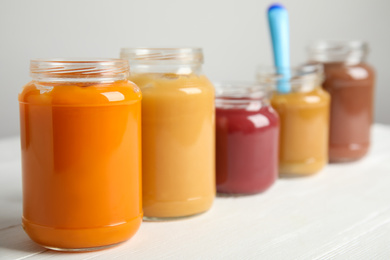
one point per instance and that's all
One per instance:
(350, 82)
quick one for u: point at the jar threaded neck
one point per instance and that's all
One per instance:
(303, 78)
(338, 51)
(167, 55)
(73, 70)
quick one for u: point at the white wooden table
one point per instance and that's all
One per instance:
(341, 213)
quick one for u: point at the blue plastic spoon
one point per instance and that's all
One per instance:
(280, 35)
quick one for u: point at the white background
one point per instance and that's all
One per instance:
(233, 34)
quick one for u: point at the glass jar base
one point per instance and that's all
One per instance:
(176, 210)
(162, 219)
(233, 195)
(296, 170)
(229, 189)
(85, 239)
(347, 153)
(344, 160)
(87, 249)
(294, 175)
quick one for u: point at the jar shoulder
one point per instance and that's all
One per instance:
(355, 72)
(166, 84)
(318, 96)
(91, 93)
(242, 118)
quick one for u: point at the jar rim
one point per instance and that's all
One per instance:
(337, 50)
(147, 55)
(302, 78)
(296, 74)
(236, 90)
(79, 69)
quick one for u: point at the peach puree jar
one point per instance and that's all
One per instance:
(304, 120)
(178, 125)
(81, 154)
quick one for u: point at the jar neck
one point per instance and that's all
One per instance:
(348, 52)
(161, 68)
(70, 70)
(304, 78)
(241, 95)
(181, 61)
(241, 103)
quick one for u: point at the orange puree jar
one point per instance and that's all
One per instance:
(81, 154)
(304, 120)
(178, 125)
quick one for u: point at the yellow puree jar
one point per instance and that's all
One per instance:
(178, 125)
(304, 120)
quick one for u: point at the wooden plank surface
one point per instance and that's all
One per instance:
(341, 213)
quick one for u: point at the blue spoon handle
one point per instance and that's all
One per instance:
(280, 35)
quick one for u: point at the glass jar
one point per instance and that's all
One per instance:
(178, 125)
(304, 120)
(350, 82)
(81, 154)
(247, 139)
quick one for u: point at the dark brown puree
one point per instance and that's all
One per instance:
(351, 88)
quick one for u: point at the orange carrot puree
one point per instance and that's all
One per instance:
(81, 160)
